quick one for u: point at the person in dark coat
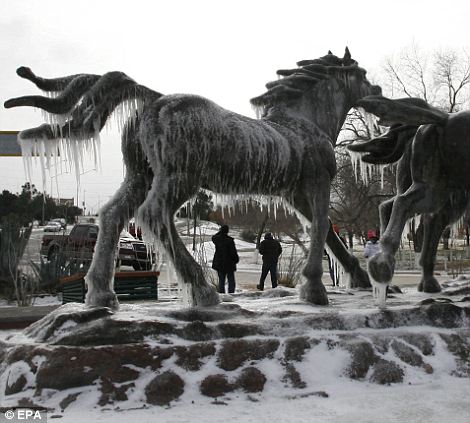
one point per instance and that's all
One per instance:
(225, 259)
(270, 249)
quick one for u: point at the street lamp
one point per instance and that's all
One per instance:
(78, 183)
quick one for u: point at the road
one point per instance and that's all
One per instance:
(247, 276)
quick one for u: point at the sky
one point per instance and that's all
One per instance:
(223, 50)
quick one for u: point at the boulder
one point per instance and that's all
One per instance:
(386, 372)
(17, 386)
(406, 354)
(69, 367)
(251, 380)
(189, 358)
(423, 342)
(197, 331)
(111, 393)
(293, 377)
(164, 388)
(362, 357)
(459, 346)
(295, 348)
(216, 386)
(233, 353)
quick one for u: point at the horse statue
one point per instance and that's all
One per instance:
(174, 145)
(432, 179)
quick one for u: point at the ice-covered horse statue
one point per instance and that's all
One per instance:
(176, 144)
(433, 151)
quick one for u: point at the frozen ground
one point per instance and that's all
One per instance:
(329, 395)
(444, 399)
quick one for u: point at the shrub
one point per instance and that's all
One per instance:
(248, 235)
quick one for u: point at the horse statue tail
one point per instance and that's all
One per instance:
(78, 106)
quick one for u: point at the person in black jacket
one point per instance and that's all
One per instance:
(270, 249)
(225, 259)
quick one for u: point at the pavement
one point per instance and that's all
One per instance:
(21, 317)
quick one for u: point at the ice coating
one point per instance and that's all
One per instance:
(339, 272)
(53, 154)
(379, 291)
(268, 202)
(366, 170)
(72, 151)
(174, 145)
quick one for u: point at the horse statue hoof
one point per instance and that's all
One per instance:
(314, 295)
(381, 268)
(430, 285)
(102, 299)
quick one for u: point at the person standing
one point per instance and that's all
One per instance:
(372, 245)
(225, 259)
(270, 249)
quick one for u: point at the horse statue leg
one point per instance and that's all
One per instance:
(157, 215)
(382, 266)
(434, 224)
(113, 216)
(350, 263)
(314, 204)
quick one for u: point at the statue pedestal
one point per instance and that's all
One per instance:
(154, 353)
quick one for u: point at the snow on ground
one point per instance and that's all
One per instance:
(46, 300)
(444, 399)
(427, 398)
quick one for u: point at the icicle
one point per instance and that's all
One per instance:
(456, 227)
(411, 222)
(379, 292)
(366, 170)
(340, 276)
(259, 111)
(370, 121)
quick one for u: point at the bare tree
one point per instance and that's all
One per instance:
(354, 203)
(440, 77)
(452, 77)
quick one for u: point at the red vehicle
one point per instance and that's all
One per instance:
(79, 246)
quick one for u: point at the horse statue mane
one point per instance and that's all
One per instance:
(308, 74)
(431, 148)
(174, 145)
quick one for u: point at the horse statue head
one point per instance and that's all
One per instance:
(335, 83)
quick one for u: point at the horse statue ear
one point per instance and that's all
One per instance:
(347, 55)
(329, 52)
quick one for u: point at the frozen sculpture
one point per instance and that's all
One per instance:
(173, 145)
(433, 179)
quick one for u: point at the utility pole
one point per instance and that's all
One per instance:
(194, 224)
(43, 207)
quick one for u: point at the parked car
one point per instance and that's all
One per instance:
(52, 227)
(61, 221)
(79, 245)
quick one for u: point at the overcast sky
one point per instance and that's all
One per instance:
(223, 50)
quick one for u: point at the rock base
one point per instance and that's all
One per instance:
(161, 355)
